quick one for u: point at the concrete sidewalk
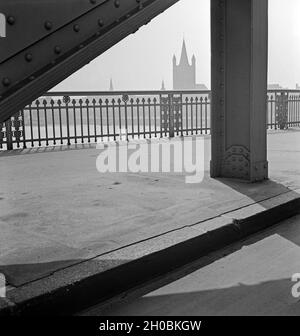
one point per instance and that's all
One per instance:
(58, 211)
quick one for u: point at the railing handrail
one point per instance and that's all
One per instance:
(284, 90)
(121, 93)
(142, 92)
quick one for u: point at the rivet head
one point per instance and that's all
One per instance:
(11, 20)
(93, 1)
(6, 81)
(117, 3)
(100, 23)
(57, 49)
(76, 28)
(48, 25)
(28, 57)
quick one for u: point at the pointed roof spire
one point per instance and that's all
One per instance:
(184, 57)
(111, 86)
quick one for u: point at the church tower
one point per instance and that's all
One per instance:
(184, 74)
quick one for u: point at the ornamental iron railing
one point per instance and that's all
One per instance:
(66, 118)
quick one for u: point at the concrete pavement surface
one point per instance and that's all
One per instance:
(57, 210)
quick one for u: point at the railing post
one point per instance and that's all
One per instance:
(67, 100)
(9, 134)
(282, 110)
(171, 117)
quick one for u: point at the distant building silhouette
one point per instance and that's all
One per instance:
(111, 85)
(184, 74)
(163, 87)
(274, 87)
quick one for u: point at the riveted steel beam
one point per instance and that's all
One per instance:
(239, 89)
(48, 40)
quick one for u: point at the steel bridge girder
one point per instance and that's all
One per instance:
(61, 38)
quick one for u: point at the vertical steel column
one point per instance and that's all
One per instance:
(239, 45)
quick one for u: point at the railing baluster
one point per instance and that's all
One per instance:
(31, 127)
(187, 115)
(38, 121)
(192, 115)
(120, 115)
(155, 116)
(160, 116)
(74, 120)
(206, 121)
(275, 112)
(295, 117)
(107, 119)
(201, 114)
(197, 124)
(138, 116)
(88, 119)
(291, 110)
(24, 129)
(95, 119)
(9, 135)
(177, 116)
(1, 135)
(114, 118)
(149, 115)
(181, 113)
(81, 120)
(60, 122)
(101, 118)
(298, 109)
(295, 112)
(132, 117)
(53, 121)
(67, 100)
(46, 121)
(271, 110)
(144, 119)
(125, 99)
(16, 132)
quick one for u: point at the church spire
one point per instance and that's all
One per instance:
(184, 57)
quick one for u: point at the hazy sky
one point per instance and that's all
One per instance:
(143, 60)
